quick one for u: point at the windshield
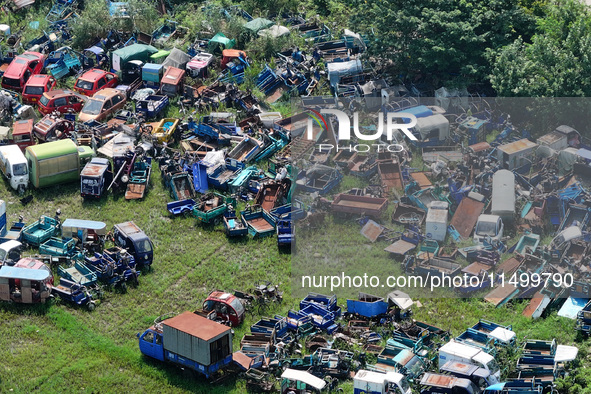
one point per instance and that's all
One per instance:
(93, 107)
(34, 90)
(84, 85)
(472, 388)
(11, 82)
(143, 246)
(493, 367)
(19, 169)
(237, 305)
(2, 254)
(44, 100)
(404, 385)
(414, 366)
(486, 228)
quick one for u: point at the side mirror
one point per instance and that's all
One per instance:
(8, 175)
(138, 334)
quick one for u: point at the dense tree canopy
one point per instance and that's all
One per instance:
(446, 38)
(556, 63)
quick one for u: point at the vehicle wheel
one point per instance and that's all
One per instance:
(123, 287)
(90, 306)
(217, 221)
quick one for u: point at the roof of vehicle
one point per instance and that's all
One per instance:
(9, 245)
(378, 377)
(38, 80)
(13, 151)
(24, 273)
(305, 377)
(221, 296)
(93, 75)
(196, 326)
(61, 92)
(52, 149)
(15, 69)
(105, 94)
(128, 228)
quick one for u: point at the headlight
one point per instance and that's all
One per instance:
(146, 257)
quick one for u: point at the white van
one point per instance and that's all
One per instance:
(455, 351)
(14, 166)
(489, 228)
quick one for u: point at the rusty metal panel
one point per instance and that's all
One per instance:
(499, 294)
(475, 268)
(372, 230)
(400, 247)
(466, 216)
(509, 266)
(421, 179)
(390, 175)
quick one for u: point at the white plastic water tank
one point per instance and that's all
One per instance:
(5, 30)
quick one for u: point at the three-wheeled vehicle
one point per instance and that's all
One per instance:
(95, 177)
(223, 307)
(52, 128)
(129, 236)
(24, 285)
(22, 133)
(173, 81)
(89, 232)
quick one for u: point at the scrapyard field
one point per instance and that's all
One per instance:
(60, 347)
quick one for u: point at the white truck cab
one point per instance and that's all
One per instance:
(14, 166)
(10, 251)
(488, 226)
(371, 382)
(456, 351)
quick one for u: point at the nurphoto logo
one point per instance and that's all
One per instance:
(344, 130)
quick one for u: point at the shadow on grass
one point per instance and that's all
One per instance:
(27, 309)
(190, 380)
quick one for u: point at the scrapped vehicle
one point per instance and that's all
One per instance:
(173, 81)
(14, 167)
(56, 162)
(95, 177)
(25, 286)
(170, 339)
(52, 128)
(62, 101)
(31, 263)
(380, 383)
(433, 383)
(36, 86)
(21, 69)
(102, 105)
(94, 80)
(224, 308)
(129, 236)
(10, 252)
(488, 228)
(22, 133)
(198, 66)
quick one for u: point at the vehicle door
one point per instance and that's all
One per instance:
(60, 104)
(50, 84)
(111, 81)
(148, 344)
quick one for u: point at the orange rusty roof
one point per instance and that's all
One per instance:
(197, 326)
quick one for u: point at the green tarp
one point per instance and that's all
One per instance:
(132, 52)
(220, 40)
(258, 24)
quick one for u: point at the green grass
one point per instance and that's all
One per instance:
(96, 351)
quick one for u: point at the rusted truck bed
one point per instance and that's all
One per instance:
(466, 216)
(390, 175)
(370, 206)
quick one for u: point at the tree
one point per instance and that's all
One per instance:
(557, 62)
(446, 38)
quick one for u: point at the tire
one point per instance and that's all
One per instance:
(91, 306)
(123, 287)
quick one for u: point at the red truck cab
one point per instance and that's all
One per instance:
(22, 133)
(36, 86)
(94, 80)
(62, 101)
(21, 69)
